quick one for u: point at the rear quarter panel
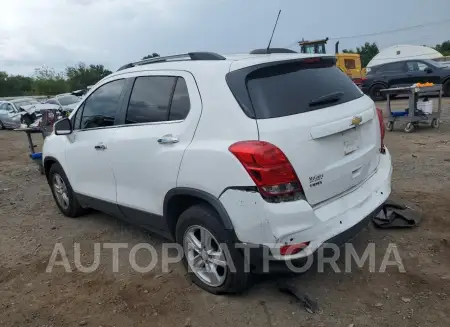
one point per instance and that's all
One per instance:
(207, 164)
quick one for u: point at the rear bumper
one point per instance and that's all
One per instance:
(260, 224)
(261, 261)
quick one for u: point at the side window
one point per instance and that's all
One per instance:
(76, 119)
(349, 63)
(416, 66)
(181, 104)
(10, 108)
(101, 107)
(392, 68)
(3, 107)
(150, 99)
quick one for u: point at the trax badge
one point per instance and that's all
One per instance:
(356, 120)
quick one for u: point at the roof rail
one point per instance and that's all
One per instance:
(179, 57)
(272, 50)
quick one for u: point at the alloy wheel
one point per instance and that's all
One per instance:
(60, 190)
(205, 257)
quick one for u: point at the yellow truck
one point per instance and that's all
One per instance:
(349, 63)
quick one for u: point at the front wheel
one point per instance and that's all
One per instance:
(210, 256)
(63, 193)
(2, 127)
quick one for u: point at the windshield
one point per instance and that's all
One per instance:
(68, 99)
(444, 64)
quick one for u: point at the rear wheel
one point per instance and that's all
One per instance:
(375, 92)
(446, 88)
(212, 260)
(63, 193)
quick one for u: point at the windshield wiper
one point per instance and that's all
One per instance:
(328, 98)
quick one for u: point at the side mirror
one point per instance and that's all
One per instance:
(63, 127)
(428, 70)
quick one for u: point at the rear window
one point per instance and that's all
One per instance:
(290, 88)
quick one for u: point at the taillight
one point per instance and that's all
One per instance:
(267, 165)
(382, 129)
(292, 249)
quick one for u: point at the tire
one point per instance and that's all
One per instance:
(409, 128)
(200, 217)
(435, 123)
(446, 88)
(73, 208)
(390, 126)
(2, 127)
(375, 94)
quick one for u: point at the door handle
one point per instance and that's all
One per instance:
(167, 139)
(100, 146)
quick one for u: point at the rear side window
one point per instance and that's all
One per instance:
(181, 104)
(294, 87)
(150, 99)
(393, 67)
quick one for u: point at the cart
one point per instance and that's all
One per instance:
(412, 116)
(44, 127)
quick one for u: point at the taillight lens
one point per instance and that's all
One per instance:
(292, 249)
(267, 165)
(382, 129)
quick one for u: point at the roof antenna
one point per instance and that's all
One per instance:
(268, 47)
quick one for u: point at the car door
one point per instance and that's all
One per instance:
(394, 74)
(3, 114)
(12, 119)
(87, 156)
(420, 72)
(159, 122)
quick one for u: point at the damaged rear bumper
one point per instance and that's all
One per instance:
(268, 226)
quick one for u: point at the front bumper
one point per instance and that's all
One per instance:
(258, 223)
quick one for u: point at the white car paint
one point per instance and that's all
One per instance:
(136, 171)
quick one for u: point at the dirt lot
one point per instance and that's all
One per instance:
(31, 225)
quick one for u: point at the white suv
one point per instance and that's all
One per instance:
(280, 153)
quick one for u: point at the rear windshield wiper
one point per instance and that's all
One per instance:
(327, 98)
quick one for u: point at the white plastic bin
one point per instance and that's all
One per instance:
(425, 106)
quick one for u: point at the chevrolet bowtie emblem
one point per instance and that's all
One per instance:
(356, 120)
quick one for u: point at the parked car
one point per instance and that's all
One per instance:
(405, 73)
(66, 101)
(11, 114)
(279, 153)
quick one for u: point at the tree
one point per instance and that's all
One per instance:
(367, 52)
(48, 82)
(153, 55)
(82, 75)
(443, 48)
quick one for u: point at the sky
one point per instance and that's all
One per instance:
(60, 33)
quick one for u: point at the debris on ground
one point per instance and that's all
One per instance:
(395, 215)
(310, 305)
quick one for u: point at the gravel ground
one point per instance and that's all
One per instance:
(31, 225)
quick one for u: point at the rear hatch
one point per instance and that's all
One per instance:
(318, 117)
